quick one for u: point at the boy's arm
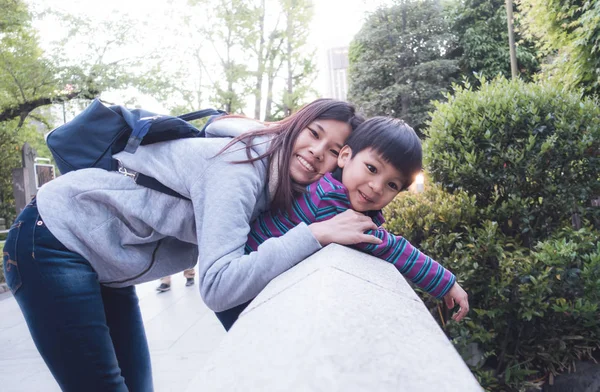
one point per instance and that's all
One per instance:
(421, 269)
(328, 201)
(412, 263)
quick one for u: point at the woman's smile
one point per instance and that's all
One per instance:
(307, 165)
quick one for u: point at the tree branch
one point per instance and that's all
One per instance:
(16, 80)
(22, 110)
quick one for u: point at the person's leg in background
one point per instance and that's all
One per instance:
(61, 299)
(189, 276)
(165, 284)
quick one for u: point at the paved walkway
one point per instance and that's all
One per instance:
(182, 332)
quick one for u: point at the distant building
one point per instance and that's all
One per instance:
(337, 59)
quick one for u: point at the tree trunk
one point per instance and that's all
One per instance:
(511, 40)
(405, 103)
(199, 89)
(273, 56)
(290, 74)
(229, 74)
(269, 104)
(260, 68)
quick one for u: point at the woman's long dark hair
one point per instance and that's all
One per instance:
(285, 133)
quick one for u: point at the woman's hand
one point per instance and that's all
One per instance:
(347, 228)
(457, 295)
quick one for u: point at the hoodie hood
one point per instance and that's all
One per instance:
(232, 127)
(236, 126)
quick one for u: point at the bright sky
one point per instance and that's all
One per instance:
(334, 24)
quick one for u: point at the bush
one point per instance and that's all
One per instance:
(423, 218)
(533, 311)
(530, 154)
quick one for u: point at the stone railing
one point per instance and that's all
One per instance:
(339, 321)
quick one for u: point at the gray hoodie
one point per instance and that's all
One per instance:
(131, 234)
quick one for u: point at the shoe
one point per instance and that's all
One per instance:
(189, 282)
(163, 287)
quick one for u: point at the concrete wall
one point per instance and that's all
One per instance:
(339, 321)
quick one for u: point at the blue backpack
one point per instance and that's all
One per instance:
(94, 135)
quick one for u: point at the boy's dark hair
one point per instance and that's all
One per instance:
(395, 140)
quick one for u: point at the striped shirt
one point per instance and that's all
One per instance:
(328, 197)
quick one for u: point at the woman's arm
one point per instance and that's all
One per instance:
(347, 228)
(224, 199)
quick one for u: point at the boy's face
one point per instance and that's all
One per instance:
(371, 181)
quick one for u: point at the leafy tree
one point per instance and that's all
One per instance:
(299, 60)
(26, 79)
(253, 47)
(11, 142)
(185, 79)
(481, 28)
(14, 15)
(569, 31)
(401, 60)
(9, 156)
(232, 22)
(31, 79)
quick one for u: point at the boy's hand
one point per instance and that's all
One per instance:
(457, 295)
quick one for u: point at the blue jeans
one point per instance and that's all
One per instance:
(91, 336)
(229, 317)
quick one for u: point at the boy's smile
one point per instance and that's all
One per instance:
(372, 182)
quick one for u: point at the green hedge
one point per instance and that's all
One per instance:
(515, 162)
(533, 312)
(529, 153)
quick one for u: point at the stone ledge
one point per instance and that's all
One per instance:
(340, 321)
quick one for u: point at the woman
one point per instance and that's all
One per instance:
(73, 255)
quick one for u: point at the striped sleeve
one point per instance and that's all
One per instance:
(419, 268)
(331, 199)
(275, 224)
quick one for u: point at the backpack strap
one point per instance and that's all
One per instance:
(153, 183)
(140, 130)
(142, 126)
(147, 181)
(201, 113)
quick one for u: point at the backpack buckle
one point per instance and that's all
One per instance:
(127, 173)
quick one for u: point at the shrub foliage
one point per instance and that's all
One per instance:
(529, 153)
(511, 164)
(533, 311)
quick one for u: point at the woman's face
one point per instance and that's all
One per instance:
(316, 150)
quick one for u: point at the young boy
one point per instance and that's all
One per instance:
(380, 159)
